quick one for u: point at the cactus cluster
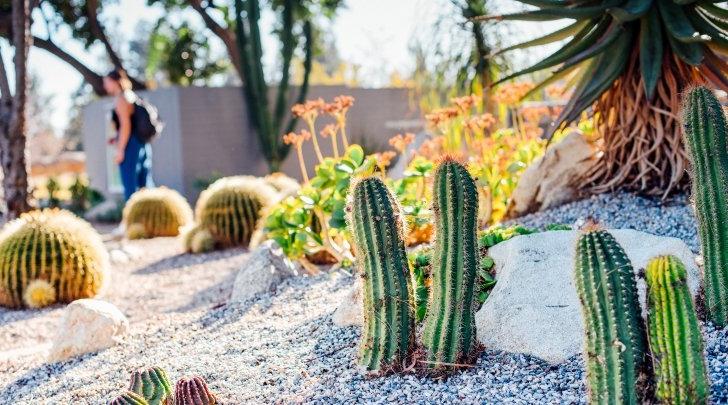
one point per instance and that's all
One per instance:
(230, 208)
(129, 398)
(389, 320)
(50, 256)
(674, 335)
(706, 137)
(153, 212)
(193, 391)
(152, 384)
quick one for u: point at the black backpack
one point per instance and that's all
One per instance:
(145, 121)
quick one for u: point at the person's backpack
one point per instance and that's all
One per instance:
(146, 122)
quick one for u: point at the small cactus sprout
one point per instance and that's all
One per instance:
(129, 398)
(388, 336)
(674, 333)
(706, 138)
(39, 294)
(616, 341)
(152, 384)
(193, 391)
(202, 242)
(159, 211)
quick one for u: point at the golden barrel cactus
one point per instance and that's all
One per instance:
(231, 208)
(50, 256)
(284, 185)
(153, 212)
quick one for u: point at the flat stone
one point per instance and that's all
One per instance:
(350, 309)
(266, 267)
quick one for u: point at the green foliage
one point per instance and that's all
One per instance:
(152, 384)
(193, 391)
(559, 227)
(674, 333)
(706, 139)
(56, 247)
(160, 211)
(83, 197)
(497, 234)
(449, 332)
(129, 398)
(616, 349)
(485, 280)
(389, 323)
(53, 188)
(421, 268)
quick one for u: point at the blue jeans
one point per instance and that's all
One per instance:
(136, 169)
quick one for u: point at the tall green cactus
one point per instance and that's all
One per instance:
(449, 334)
(706, 137)
(674, 334)
(616, 341)
(389, 319)
(152, 383)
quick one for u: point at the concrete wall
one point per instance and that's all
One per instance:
(207, 131)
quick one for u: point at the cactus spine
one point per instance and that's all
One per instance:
(707, 145)
(193, 391)
(153, 384)
(449, 334)
(674, 333)
(616, 341)
(389, 320)
(152, 212)
(129, 398)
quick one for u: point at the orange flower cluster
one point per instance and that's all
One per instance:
(384, 159)
(441, 115)
(400, 142)
(432, 148)
(329, 130)
(296, 139)
(340, 105)
(534, 114)
(309, 110)
(480, 123)
(465, 103)
(511, 93)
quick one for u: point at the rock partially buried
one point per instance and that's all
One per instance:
(350, 309)
(266, 267)
(88, 325)
(534, 308)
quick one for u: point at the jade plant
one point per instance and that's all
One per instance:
(388, 336)
(707, 144)
(449, 331)
(152, 384)
(153, 212)
(674, 335)
(616, 341)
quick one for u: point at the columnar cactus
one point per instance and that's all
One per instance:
(674, 335)
(129, 398)
(153, 212)
(449, 334)
(193, 391)
(706, 137)
(616, 341)
(389, 319)
(231, 208)
(50, 256)
(152, 384)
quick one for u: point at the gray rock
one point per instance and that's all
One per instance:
(534, 308)
(266, 267)
(102, 211)
(350, 310)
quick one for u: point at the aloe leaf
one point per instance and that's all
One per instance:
(563, 33)
(651, 52)
(677, 23)
(631, 10)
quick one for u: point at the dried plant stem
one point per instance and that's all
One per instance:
(342, 126)
(302, 163)
(335, 145)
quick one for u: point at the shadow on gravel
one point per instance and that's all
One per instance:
(215, 295)
(8, 317)
(187, 259)
(36, 377)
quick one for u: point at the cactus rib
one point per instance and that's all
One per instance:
(152, 383)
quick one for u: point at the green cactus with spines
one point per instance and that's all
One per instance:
(449, 332)
(706, 138)
(674, 335)
(152, 212)
(193, 391)
(152, 384)
(129, 398)
(388, 336)
(616, 341)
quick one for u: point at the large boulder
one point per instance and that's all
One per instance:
(534, 308)
(351, 308)
(549, 180)
(266, 267)
(88, 325)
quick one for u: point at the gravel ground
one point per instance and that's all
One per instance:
(283, 348)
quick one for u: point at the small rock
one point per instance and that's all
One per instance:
(106, 210)
(350, 310)
(266, 267)
(88, 325)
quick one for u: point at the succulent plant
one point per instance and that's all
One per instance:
(706, 135)
(231, 208)
(129, 398)
(616, 341)
(193, 391)
(152, 212)
(674, 334)
(388, 336)
(197, 239)
(449, 332)
(152, 384)
(50, 256)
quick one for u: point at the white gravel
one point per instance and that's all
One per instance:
(284, 348)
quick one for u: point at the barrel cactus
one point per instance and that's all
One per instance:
(388, 337)
(674, 334)
(616, 341)
(153, 212)
(197, 239)
(284, 185)
(129, 398)
(152, 384)
(706, 136)
(50, 256)
(449, 332)
(231, 208)
(193, 391)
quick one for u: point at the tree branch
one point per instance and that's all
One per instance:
(95, 80)
(225, 35)
(5, 95)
